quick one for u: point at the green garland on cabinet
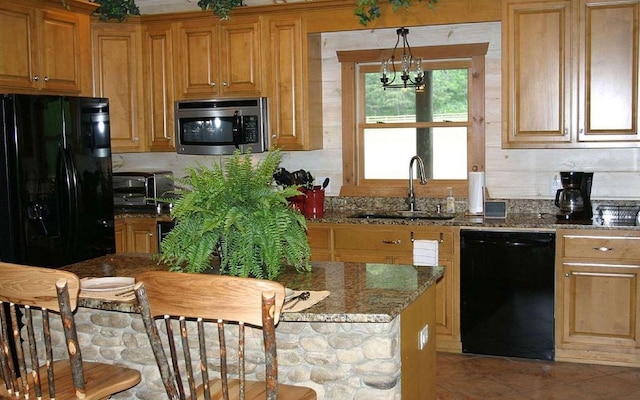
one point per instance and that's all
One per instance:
(115, 9)
(366, 10)
(369, 10)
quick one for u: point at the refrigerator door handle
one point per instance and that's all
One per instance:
(68, 200)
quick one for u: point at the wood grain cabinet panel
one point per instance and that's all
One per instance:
(608, 71)
(117, 68)
(537, 74)
(120, 228)
(320, 241)
(597, 303)
(159, 86)
(44, 49)
(294, 86)
(136, 235)
(576, 84)
(218, 59)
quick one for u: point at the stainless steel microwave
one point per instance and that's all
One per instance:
(220, 126)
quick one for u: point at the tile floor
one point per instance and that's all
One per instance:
(472, 377)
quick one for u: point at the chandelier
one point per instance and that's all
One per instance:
(388, 69)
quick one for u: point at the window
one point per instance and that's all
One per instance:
(443, 124)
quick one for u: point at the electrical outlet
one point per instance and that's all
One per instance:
(423, 337)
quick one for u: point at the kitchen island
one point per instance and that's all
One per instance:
(361, 342)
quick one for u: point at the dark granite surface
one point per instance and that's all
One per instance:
(540, 221)
(360, 292)
(535, 221)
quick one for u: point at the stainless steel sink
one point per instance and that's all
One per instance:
(402, 215)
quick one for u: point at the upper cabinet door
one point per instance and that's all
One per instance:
(60, 42)
(537, 74)
(609, 71)
(294, 67)
(44, 49)
(117, 68)
(219, 59)
(158, 86)
(18, 46)
(197, 61)
(240, 58)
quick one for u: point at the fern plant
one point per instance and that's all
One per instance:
(236, 210)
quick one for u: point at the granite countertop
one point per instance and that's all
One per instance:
(360, 292)
(535, 221)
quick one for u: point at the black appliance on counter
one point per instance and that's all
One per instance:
(574, 199)
(507, 293)
(56, 201)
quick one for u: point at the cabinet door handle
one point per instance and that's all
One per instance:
(566, 274)
(36, 78)
(46, 79)
(212, 84)
(603, 249)
(397, 241)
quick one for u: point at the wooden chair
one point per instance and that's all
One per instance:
(28, 370)
(222, 301)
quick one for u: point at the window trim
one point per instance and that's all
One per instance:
(351, 156)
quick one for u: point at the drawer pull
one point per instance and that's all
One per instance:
(398, 241)
(603, 249)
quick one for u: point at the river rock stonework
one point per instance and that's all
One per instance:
(339, 360)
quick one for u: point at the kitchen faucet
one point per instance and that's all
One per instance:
(411, 197)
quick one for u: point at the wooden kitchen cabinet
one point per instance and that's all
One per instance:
(220, 58)
(117, 69)
(392, 244)
(159, 93)
(320, 241)
(576, 84)
(597, 304)
(294, 87)
(45, 47)
(136, 235)
(120, 229)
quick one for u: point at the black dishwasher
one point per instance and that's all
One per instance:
(507, 293)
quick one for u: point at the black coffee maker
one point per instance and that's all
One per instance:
(574, 199)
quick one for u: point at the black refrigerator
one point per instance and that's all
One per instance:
(56, 202)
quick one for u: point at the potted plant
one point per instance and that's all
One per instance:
(236, 210)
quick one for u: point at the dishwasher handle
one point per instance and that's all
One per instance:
(510, 243)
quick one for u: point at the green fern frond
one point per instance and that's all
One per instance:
(235, 208)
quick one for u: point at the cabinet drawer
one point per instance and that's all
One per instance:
(602, 247)
(354, 238)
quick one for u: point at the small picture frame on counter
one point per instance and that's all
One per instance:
(495, 209)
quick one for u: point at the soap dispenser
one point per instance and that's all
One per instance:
(451, 202)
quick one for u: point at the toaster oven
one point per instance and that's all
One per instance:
(141, 189)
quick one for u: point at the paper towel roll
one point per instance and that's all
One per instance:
(476, 192)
